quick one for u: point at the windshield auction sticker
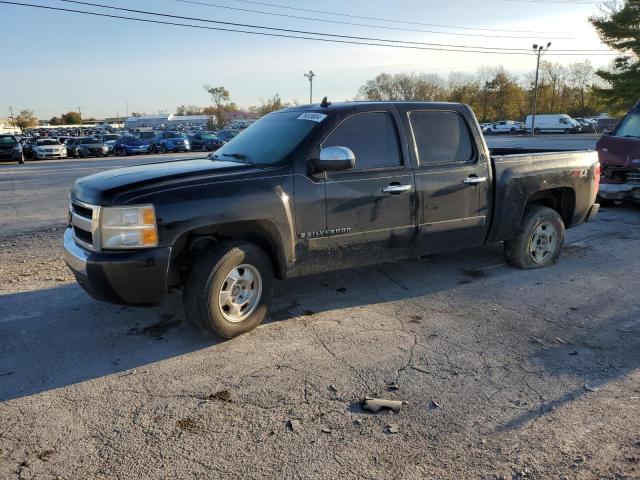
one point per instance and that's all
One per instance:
(314, 117)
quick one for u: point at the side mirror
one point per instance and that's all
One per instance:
(334, 159)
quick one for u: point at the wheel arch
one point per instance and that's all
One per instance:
(262, 233)
(562, 200)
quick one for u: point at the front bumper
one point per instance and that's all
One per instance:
(10, 155)
(128, 277)
(134, 150)
(620, 191)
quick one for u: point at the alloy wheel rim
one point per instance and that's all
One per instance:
(543, 243)
(240, 293)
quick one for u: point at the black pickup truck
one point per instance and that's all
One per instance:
(316, 188)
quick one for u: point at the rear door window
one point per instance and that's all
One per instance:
(372, 137)
(441, 137)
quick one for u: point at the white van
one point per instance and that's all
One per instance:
(555, 123)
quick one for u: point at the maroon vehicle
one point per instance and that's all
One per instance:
(620, 160)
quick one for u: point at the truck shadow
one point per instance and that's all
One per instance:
(57, 337)
(607, 351)
(60, 336)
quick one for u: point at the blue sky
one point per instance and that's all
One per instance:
(54, 62)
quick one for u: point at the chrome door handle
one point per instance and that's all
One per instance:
(474, 180)
(396, 188)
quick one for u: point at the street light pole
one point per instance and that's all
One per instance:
(539, 50)
(310, 76)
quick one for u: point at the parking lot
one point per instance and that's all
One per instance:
(505, 373)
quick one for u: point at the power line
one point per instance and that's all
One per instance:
(406, 22)
(305, 32)
(368, 25)
(379, 42)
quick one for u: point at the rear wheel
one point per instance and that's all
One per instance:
(539, 239)
(536, 131)
(229, 290)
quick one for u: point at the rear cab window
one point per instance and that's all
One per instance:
(441, 138)
(372, 137)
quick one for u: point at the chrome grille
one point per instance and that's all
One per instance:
(84, 221)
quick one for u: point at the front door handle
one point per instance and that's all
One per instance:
(474, 180)
(396, 188)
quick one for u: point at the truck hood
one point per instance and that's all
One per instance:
(106, 187)
(619, 151)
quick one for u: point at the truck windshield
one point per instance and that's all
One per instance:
(630, 126)
(268, 141)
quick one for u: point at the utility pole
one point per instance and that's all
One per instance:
(310, 76)
(538, 50)
(13, 122)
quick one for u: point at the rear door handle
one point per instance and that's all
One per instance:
(474, 180)
(396, 188)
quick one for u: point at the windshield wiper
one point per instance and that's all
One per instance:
(236, 156)
(631, 136)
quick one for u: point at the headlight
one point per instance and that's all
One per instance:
(129, 227)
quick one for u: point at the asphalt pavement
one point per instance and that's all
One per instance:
(504, 373)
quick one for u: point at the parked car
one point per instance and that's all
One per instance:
(606, 125)
(586, 125)
(131, 145)
(484, 128)
(315, 188)
(227, 134)
(620, 159)
(109, 139)
(510, 127)
(72, 144)
(206, 141)
(10, 149)
(27, 146)
(553, 123)
(48, 148)
(91, 147)
(171, 141)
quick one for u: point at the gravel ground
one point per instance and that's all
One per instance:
(506, 373)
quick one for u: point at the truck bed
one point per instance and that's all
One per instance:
(519, 178)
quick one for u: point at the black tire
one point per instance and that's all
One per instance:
(536, 131)
(521, 251)
(567, 131)
(202, 306)
(513, 131)
(162, 148)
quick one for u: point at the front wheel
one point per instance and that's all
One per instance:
(229, 291)
(539, 239)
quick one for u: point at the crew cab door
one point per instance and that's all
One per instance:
(453, 180)
(370, 209)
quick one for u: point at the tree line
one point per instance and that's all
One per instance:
(494, 93)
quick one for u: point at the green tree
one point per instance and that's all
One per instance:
(25, 119)
(271, 105)
(55, 121)
(71, 118)
(222, 104)
(619, 28)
